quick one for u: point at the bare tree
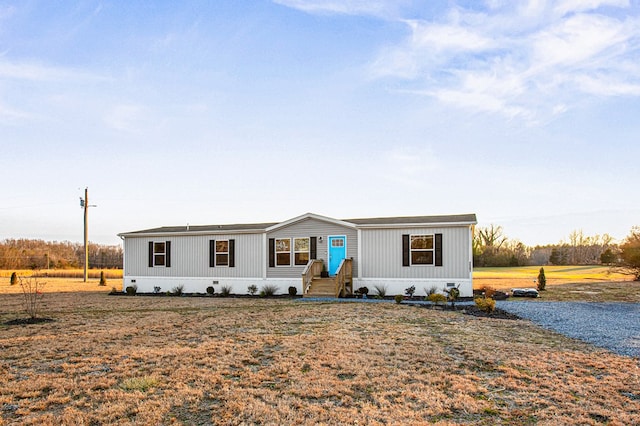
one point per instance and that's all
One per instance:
(630, 254)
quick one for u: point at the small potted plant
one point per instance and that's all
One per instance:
(324, 273)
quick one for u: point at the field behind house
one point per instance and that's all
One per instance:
(180, 360)
(526, 276)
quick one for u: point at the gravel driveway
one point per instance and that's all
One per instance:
(613, 326)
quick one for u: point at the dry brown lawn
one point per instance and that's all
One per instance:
(180, 360)
(57, 285)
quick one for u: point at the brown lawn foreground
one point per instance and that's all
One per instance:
(164, 360)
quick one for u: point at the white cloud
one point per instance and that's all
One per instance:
(532, 61)
(11, 115)
(409, 166)
(127, 117)
(571, 6)
(38, 72)
(447, 37)
(578, 39)
(380, 8)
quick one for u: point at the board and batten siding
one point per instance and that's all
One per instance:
(190, 256)
(313, 228)
(381, 254)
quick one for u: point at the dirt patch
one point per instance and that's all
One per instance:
(28, 321)
(474, 311)
(496, 314)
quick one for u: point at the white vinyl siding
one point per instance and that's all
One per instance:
(381, 253)
(190, 256)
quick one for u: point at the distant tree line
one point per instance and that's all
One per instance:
(39, 254)
(492, 248)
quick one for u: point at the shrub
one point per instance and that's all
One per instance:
(252, 289)
(409, 291)
(156, 289)
(452, 294)
(14, 279)
(177, 290)
(268, 290)
(32, 295)
(362, 291)
(210, 290)
(488, 291)
(381, 290)
(131, 290)
(485, 304)
(542, 280)
(293, 291)
(437, 298)
(225, 290)
(398, 298)
(431, 290)
(103, 280)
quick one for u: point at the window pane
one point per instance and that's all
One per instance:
(301, 244)
(222, 259)
(337, 242)
(222, 246)
(422, 242)
(158, 260)
(158, 248)
(283, 245)
(422, 257)
(283, 259)
(302, 258)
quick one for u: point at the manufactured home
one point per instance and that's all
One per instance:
(318, 255)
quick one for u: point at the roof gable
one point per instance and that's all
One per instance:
(310, 216)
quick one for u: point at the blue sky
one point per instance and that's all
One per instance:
(201, 112)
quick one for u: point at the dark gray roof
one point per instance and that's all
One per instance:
(456, 218)
(205, 228)
(460, 218)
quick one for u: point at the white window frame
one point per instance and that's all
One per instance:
(276, 252)
(308, 250)
(216, 253)
(432, 249)
(158, 253)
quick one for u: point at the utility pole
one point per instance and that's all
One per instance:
(84, 203)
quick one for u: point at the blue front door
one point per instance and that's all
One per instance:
(337, 252)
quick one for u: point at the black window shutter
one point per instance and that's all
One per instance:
(212, 253)
(232, 253)
(272, 252)
(314, 248)
(150, 254)
(167, 254)
(438, 250)
(405, 250)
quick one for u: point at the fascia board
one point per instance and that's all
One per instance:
(186, 233)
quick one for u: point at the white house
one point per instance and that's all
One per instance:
(396, 252)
